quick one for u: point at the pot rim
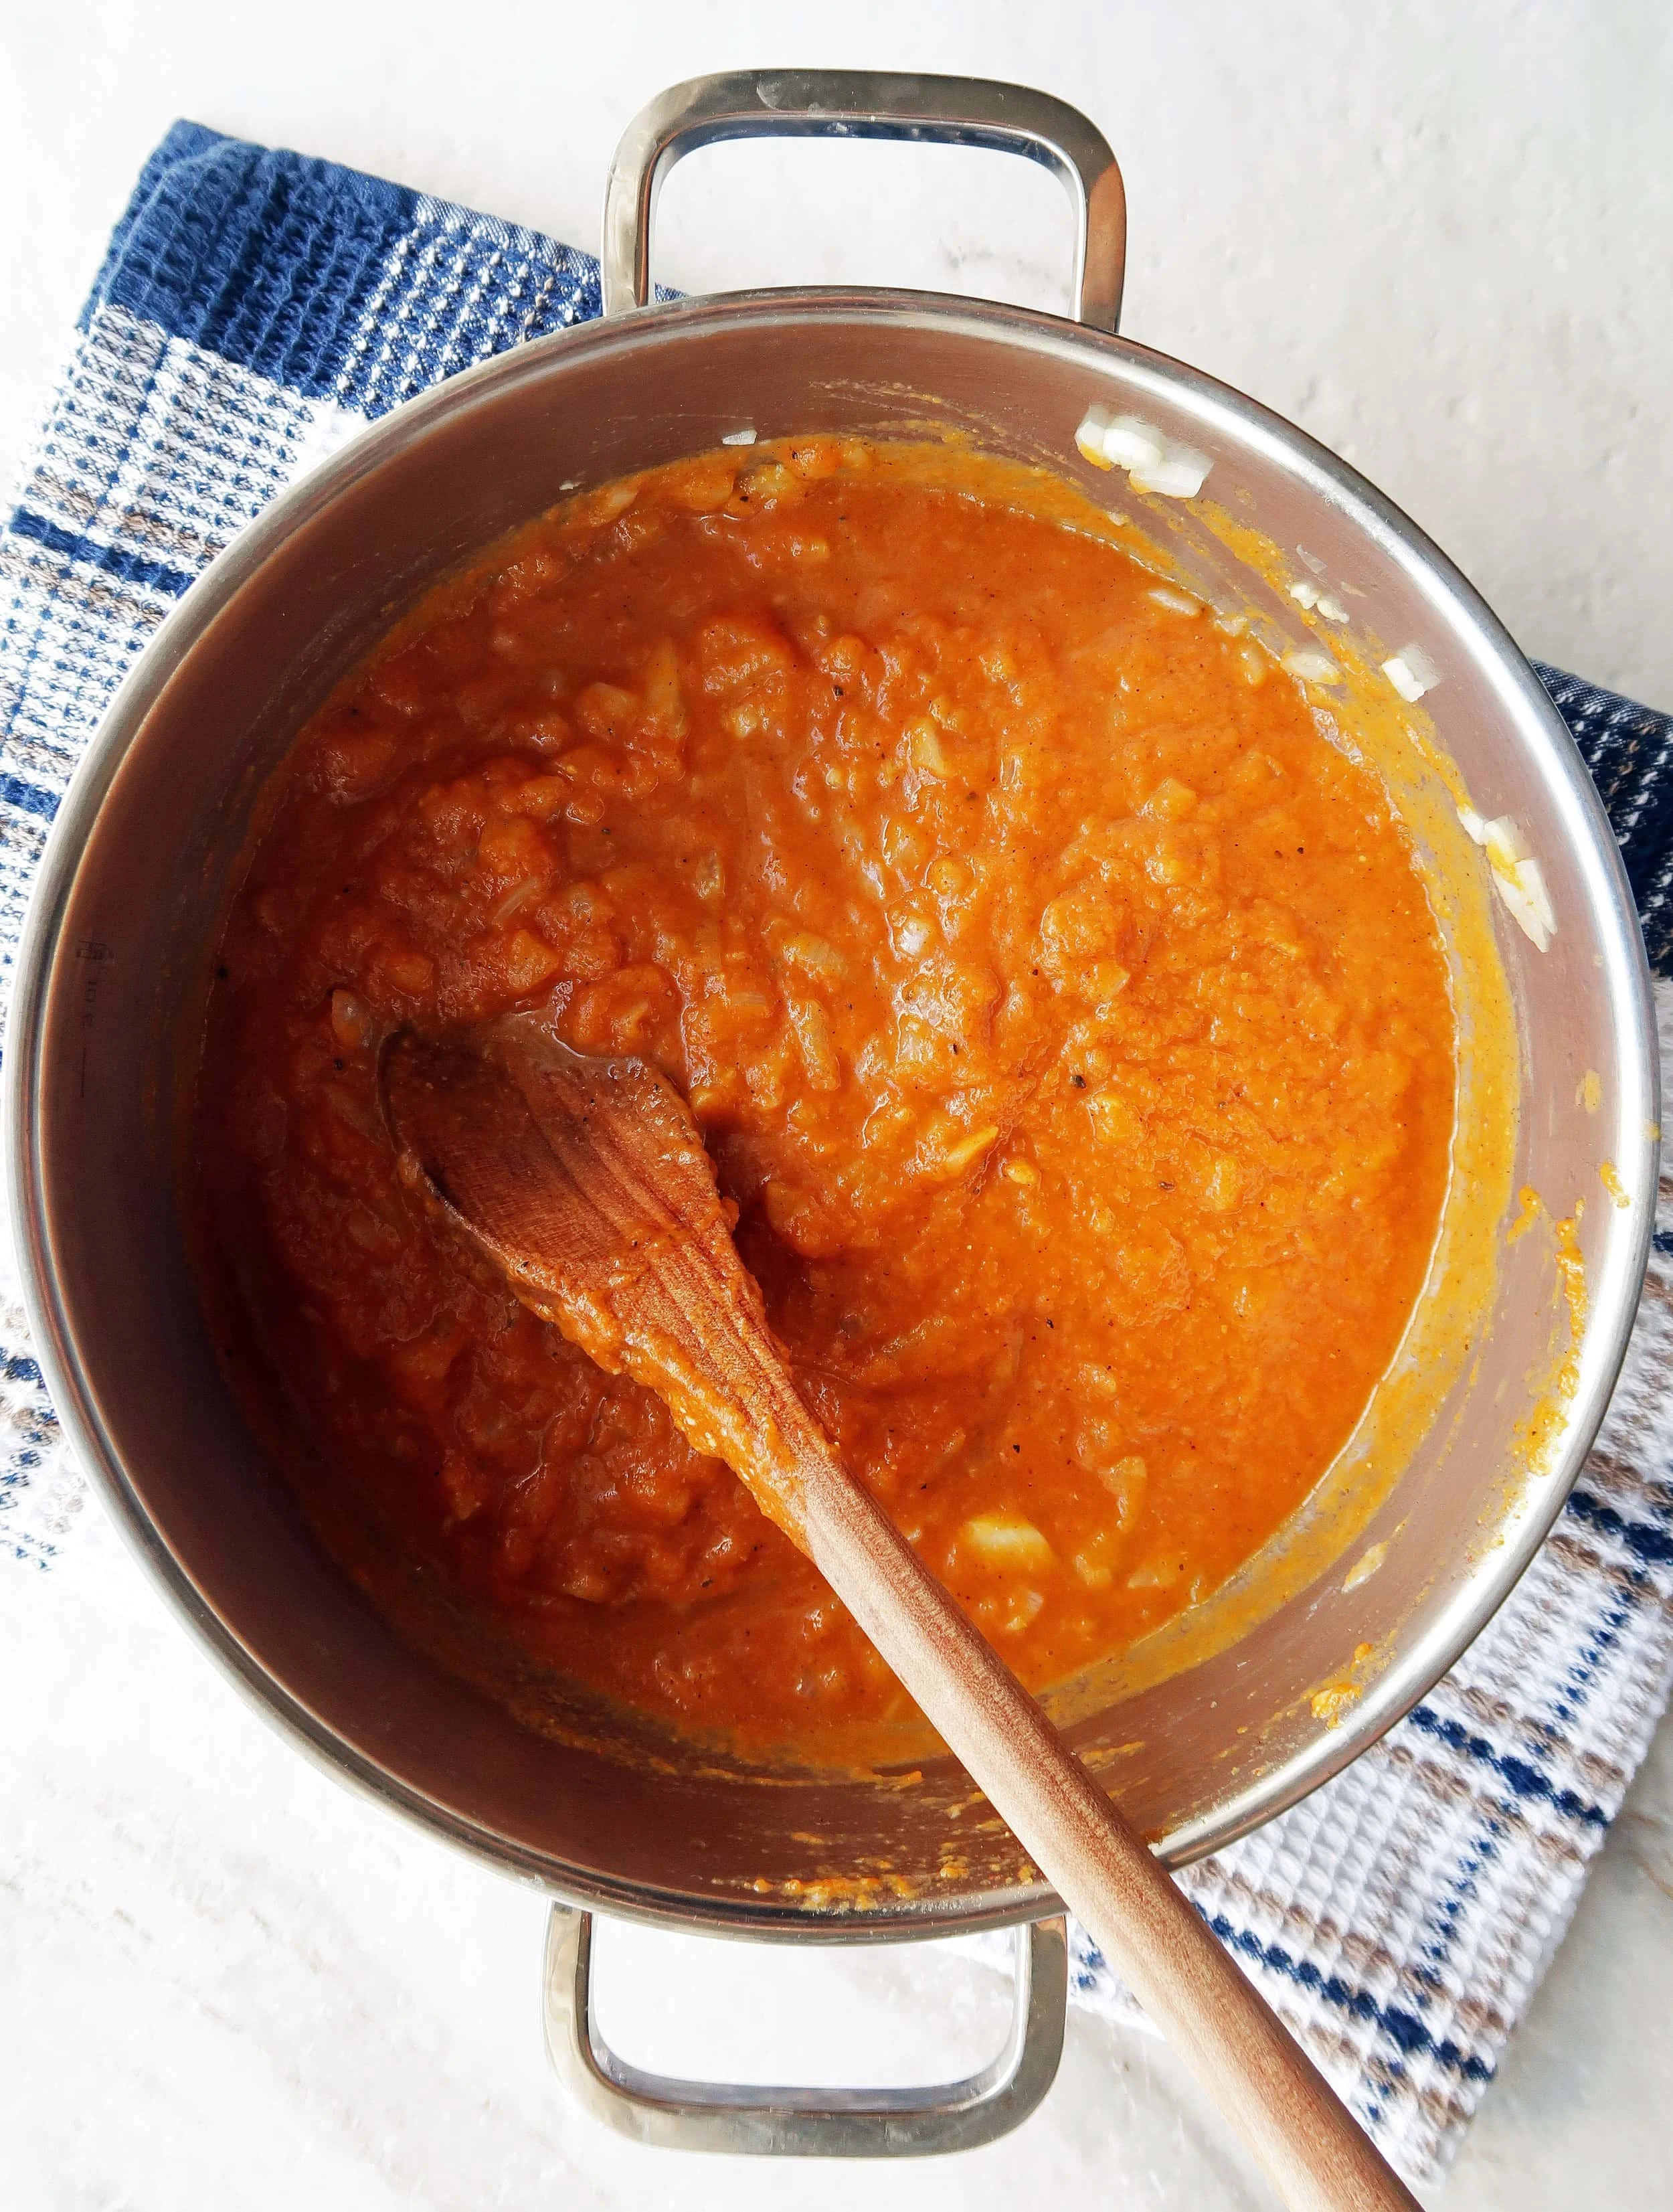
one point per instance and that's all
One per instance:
(1524, 702)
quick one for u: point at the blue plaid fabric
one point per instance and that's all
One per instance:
(254, 309)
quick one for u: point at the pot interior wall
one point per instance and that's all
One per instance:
(303, 596)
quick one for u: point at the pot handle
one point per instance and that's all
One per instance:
(951, 111)
(806, 2123)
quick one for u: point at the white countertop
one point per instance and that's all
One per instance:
(1439, 239)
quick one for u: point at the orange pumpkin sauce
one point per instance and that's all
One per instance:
(1062, 1007)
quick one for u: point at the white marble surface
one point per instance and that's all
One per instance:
(1440, 239)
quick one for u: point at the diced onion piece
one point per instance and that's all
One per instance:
(663, 700)
(1153, 461)
(1160, 1572)
(407, 968)
(516, 899)
(1474, 828)
(1522, 888)
(1133, 445)
(1180, 474)
(528, 962)
(1505, 843)
(812, 1029)
(1519, 879)
(1179, 603)
(1311, 596)
(1412, 672)
(746, 436)
(1310, 560)
(1365, 1566)
(926, 750)
(1089, 438)
(1024, 1608)
(1171, 800)
(613, 499)
(351, 1023)
(957, 1156)
(1007, 1541)
(815, 957)
(1309, 666)
(948, 878)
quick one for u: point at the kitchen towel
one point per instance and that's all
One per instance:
(254, 309)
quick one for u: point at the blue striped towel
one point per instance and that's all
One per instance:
(254, 309)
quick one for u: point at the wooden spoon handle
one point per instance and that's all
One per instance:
(1310, 2146)
(588, 1181)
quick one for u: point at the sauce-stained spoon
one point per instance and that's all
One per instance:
(587, 1181)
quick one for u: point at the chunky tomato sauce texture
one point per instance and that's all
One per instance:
(1062, 1007)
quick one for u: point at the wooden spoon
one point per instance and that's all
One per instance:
(587, 1181)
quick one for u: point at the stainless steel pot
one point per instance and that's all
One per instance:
(104, 1034)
